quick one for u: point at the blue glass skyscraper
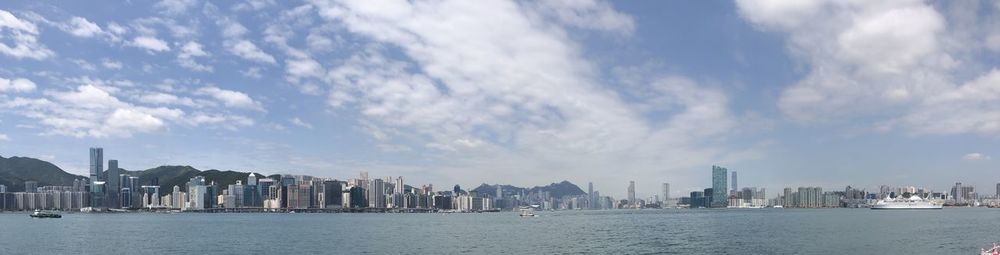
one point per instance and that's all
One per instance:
(719, 187)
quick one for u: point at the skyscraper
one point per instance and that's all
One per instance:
(114, 185)
(719, 194)
(734, 187)
(789, 199)
(666, 192)
(631, 193)
(590, 195)
(96, 164)
(96, 185)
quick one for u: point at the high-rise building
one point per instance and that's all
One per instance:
(719, 194)
(666, 192)
(96, 164)
(252, 179)
(998, 191)
(788, 199)
(376, 194)
(3, 188)
(733, 187)
(333, 192)
(114, 185)
(499, 191)
(631, 194)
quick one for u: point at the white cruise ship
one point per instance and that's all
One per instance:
(913, 202)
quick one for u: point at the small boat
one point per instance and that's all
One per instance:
(526, 212)
(992, 251)
(45, 214)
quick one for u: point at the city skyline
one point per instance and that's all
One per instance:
(585, 91)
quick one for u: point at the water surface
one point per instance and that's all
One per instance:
(752, 231)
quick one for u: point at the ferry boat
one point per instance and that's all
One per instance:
(913, 202)
(527, 212)
(44, 214)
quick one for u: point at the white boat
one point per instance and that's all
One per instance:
(527, 212)
(913, 202)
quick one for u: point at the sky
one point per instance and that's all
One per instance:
(786, 93)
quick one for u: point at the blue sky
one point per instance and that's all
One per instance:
(788, 93)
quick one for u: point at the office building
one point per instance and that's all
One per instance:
(665, 193)
(719, 194)
(114, 185)
(733, 185)
(631, 194)
(96, 169)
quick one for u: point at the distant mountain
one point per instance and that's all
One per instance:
(15, 171)
(561, 189)
(170, 176)
(564, 188)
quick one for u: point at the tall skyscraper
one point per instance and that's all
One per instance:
(114, 185)
(719, 194)
(499, 191)
(96, 164)
(734, 187)
(666, 192)
(789, 199)
(998, 191)
(591, 200)
(631, 193)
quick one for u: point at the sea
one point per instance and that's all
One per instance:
(647, 231)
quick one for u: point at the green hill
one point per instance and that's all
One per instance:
(170, 176)
(15, 171)
(558, 190)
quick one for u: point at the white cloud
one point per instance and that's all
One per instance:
(249, 51)
(4, 137)
(231, 98)
(175, 7)
(159, 98)
(298, 122)
(16, 85)
(82, 27)
(91, 112)
(111, 64)
(253, 5)
(95, 111)
(902, 63)
(509, 106)
(975, 157)
(19, 38)
(252, 72)
(189, 51)
(589, 14)
(233, 34)
(151, 44)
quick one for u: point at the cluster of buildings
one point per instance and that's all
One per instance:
(45, 197)
(114, 190)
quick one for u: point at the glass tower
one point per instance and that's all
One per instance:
(96, 164)
(719, 196)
